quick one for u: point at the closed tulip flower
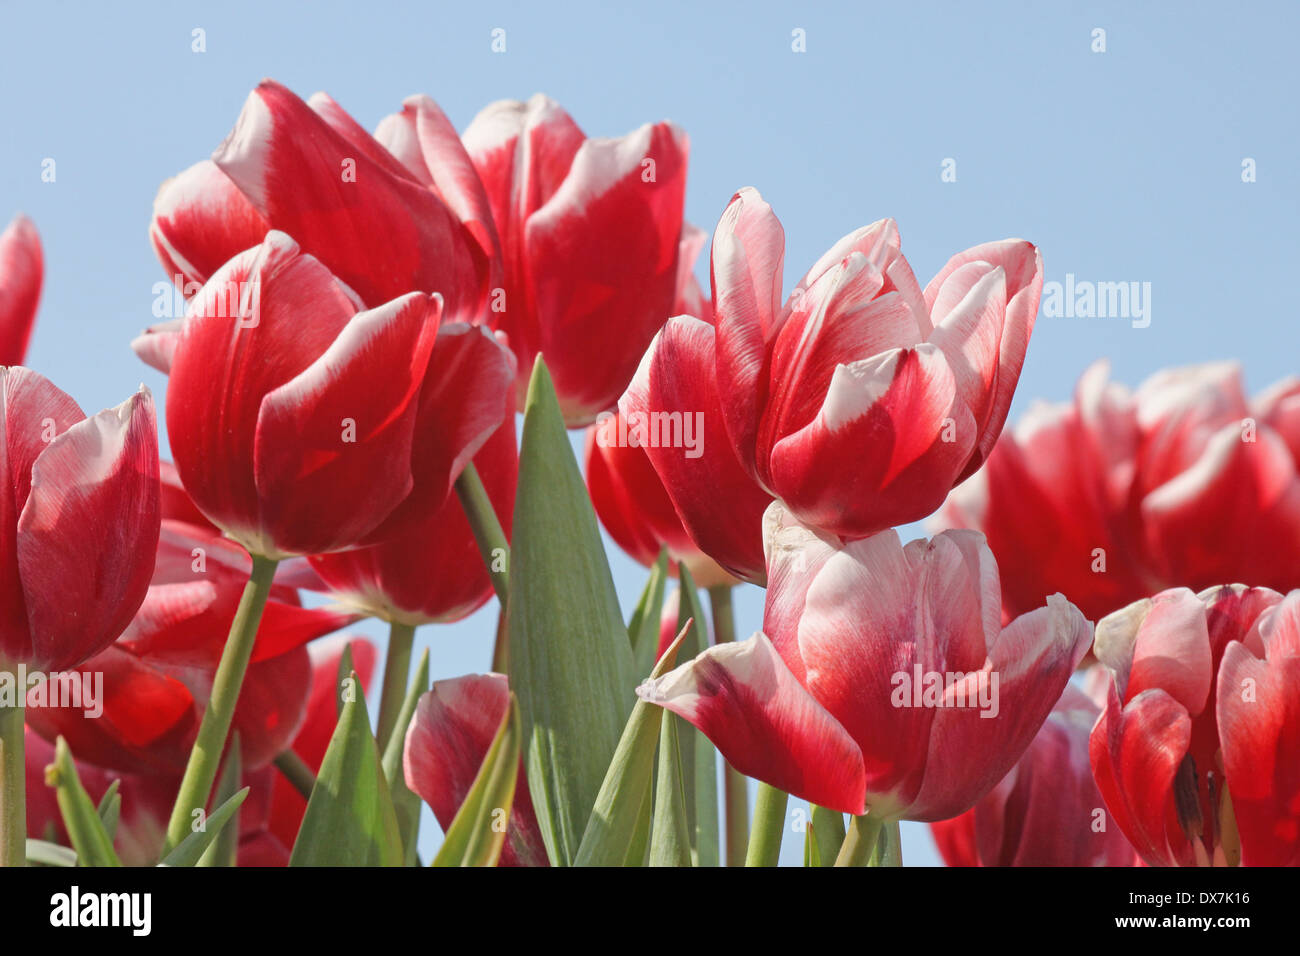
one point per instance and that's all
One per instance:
(310, 444)
(862, 399)
(309, 169)
(79, 522)
(1121, 492)
(883, 680)
(1046, 811)
(1195, 751)
(22, 267)
(451, 733)
(589, 232)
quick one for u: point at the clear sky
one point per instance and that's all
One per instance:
(1123, 166)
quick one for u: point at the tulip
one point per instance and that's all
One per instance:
(883, 680)
(589, 232)
(22, 267)
(1121, 493)
(454, 726)
(1046, 811)
(862, 400)
(1195, 751)
(308, 169)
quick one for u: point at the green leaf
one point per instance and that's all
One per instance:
(613, 836)
(350, 819)
(224, 850)
(478, 831)
(85, 828)
(826, 829)
(699, 756)
(190, 850)
(45, 853)
(405, 803)
(670, 841)
(347, 684)
(643, 628)
(110, 808)
(570, 658)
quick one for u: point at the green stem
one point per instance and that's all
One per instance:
(734, 787)
(397, 671)
(205, 757)
(888, 850)
(296, 771)
(501, 648)
(13, 782)
(769, 826)
(491, 539)
(860, 842)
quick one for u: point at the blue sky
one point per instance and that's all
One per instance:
(1123, 165)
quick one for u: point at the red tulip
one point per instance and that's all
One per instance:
(887, 682)
(862, 400)
(1119, 494)
(589, 234)
(1195, 753)
(22, 267)
(152, 685)
(78, 524)
(310, 170)
(1046, 811)
(336, 428)
(432, 572)
(453, 728)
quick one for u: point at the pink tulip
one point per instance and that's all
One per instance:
(589, 233)
(1121, 493)
(451, 733)
(1046, 811)
(1195, 753)
(78, 523)
(22, 267)
(887, 682)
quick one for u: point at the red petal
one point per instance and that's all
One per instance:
(22, 266)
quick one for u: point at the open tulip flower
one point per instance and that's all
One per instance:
(22, 267)
(859, 402)
(1046, 811)
(589, 236)
(1121, 493)
(1195, 753)
(884, 681)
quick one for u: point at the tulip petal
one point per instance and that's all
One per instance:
(87, 533)
(744, 699)
(22, 267)
(332, 444)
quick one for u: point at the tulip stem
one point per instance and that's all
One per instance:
(483, 521)
(13, 782)
(397, 671)
(871, 841)
(294, 769)
(769, 826)
(205, 757)
(734, 787)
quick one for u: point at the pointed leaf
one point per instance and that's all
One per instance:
(623, 805)
(570, 658)
(85, 828)
(110, 808)
(224, 850)
(478, 831)
(670, 842)
(699, 756)
(643, 628)
(44, 853)
(190, 850)
(350, 819)
(826, 828)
